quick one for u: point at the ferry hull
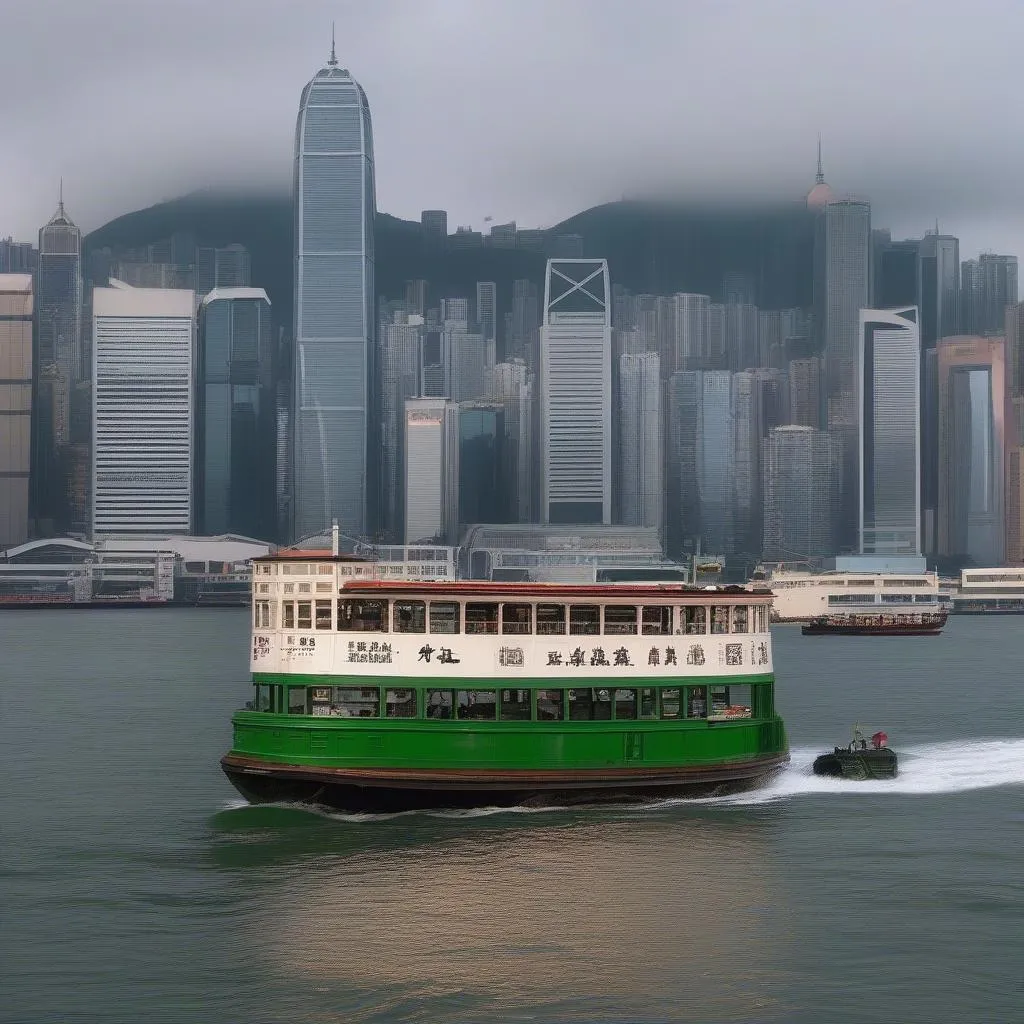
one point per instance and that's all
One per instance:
(380, 789)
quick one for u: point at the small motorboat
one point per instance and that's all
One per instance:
(859, 761)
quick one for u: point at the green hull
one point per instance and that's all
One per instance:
(381, 763)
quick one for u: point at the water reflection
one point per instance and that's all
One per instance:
(529, 914)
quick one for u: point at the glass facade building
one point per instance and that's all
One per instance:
(15, 406)
(334, 305)
(236, 428)
(889, 521)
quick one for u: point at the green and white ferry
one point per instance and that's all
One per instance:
(384, 694)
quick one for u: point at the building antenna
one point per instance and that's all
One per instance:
(334, 60)
(60, 196)
(820, 176)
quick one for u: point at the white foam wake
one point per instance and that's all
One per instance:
(954, 767)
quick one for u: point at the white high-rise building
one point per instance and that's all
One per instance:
(431, 470)
(512, 385)
(575, 382)
(334, 304)
(691, 324)
(143, 410)
(889, 518)
(640, 462)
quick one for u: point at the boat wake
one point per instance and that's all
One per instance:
(930, 769)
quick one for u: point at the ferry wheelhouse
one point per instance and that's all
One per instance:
(382, 694)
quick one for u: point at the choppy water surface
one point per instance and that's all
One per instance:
(134, 885)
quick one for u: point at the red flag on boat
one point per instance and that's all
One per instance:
(879, 740)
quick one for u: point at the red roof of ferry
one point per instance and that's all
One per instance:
(483, 587)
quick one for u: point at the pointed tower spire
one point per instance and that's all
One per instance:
(333, 62)
(820, 177)
(60, 198)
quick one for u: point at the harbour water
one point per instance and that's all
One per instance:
(134, 885)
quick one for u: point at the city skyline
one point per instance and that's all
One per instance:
(528, 172)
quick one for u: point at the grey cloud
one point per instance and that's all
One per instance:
(525, 109)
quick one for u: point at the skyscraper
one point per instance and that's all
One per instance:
(847, 282)
(575, 382)
(431, 470)
(227, 266)
(889, 518)
(235, 476)
(715, 463)
(512, 385)
(988, 286)
(143, 410)
(939, 290)
(801, 487)
(805, 392)
(58, 364)
(482, 493)
(335, 313)
(487, 309)
(641, 496)
(972, 417)
(683, 497)
(15, 406)
(691, 324)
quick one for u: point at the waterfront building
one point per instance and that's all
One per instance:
(800, 468)
(57, 366)
(889, 451)
(235, 475)
(972, 417)
(431, 470)
(800, 596)
(575, 386)
(335, 311)
(639, 476)
(143, 410)
(15, 406)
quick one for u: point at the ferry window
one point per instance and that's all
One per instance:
(444, 616)
(362, 616)
(620, 619)
(304, 615)
(325, 569)
(263, 702)
(719, 618)
(296, 700)
(305, 588)
(625, 704)
(356, 701)
(732, 701)
(439, 703)
(550, 619)
(648, 703)
(323, 615)
(739, 618)
(590, 705)
(670, 703)
(289, 588)
(656, 620)
(476, 704)
(695, 619)
(517, 618)
(288, 618)
(762, 701)
(481, 618)
(696, 702)
(410, 617)
(550, 705)
(584, 618)
(515, 705)
(399, 703)
(262, 614)
(321, 700)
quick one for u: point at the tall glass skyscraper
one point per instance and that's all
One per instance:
(334, 304)
(890, 432)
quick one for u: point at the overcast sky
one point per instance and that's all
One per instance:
(525, 109)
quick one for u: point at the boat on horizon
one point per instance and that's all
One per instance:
(379, 694)
(890, 622)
